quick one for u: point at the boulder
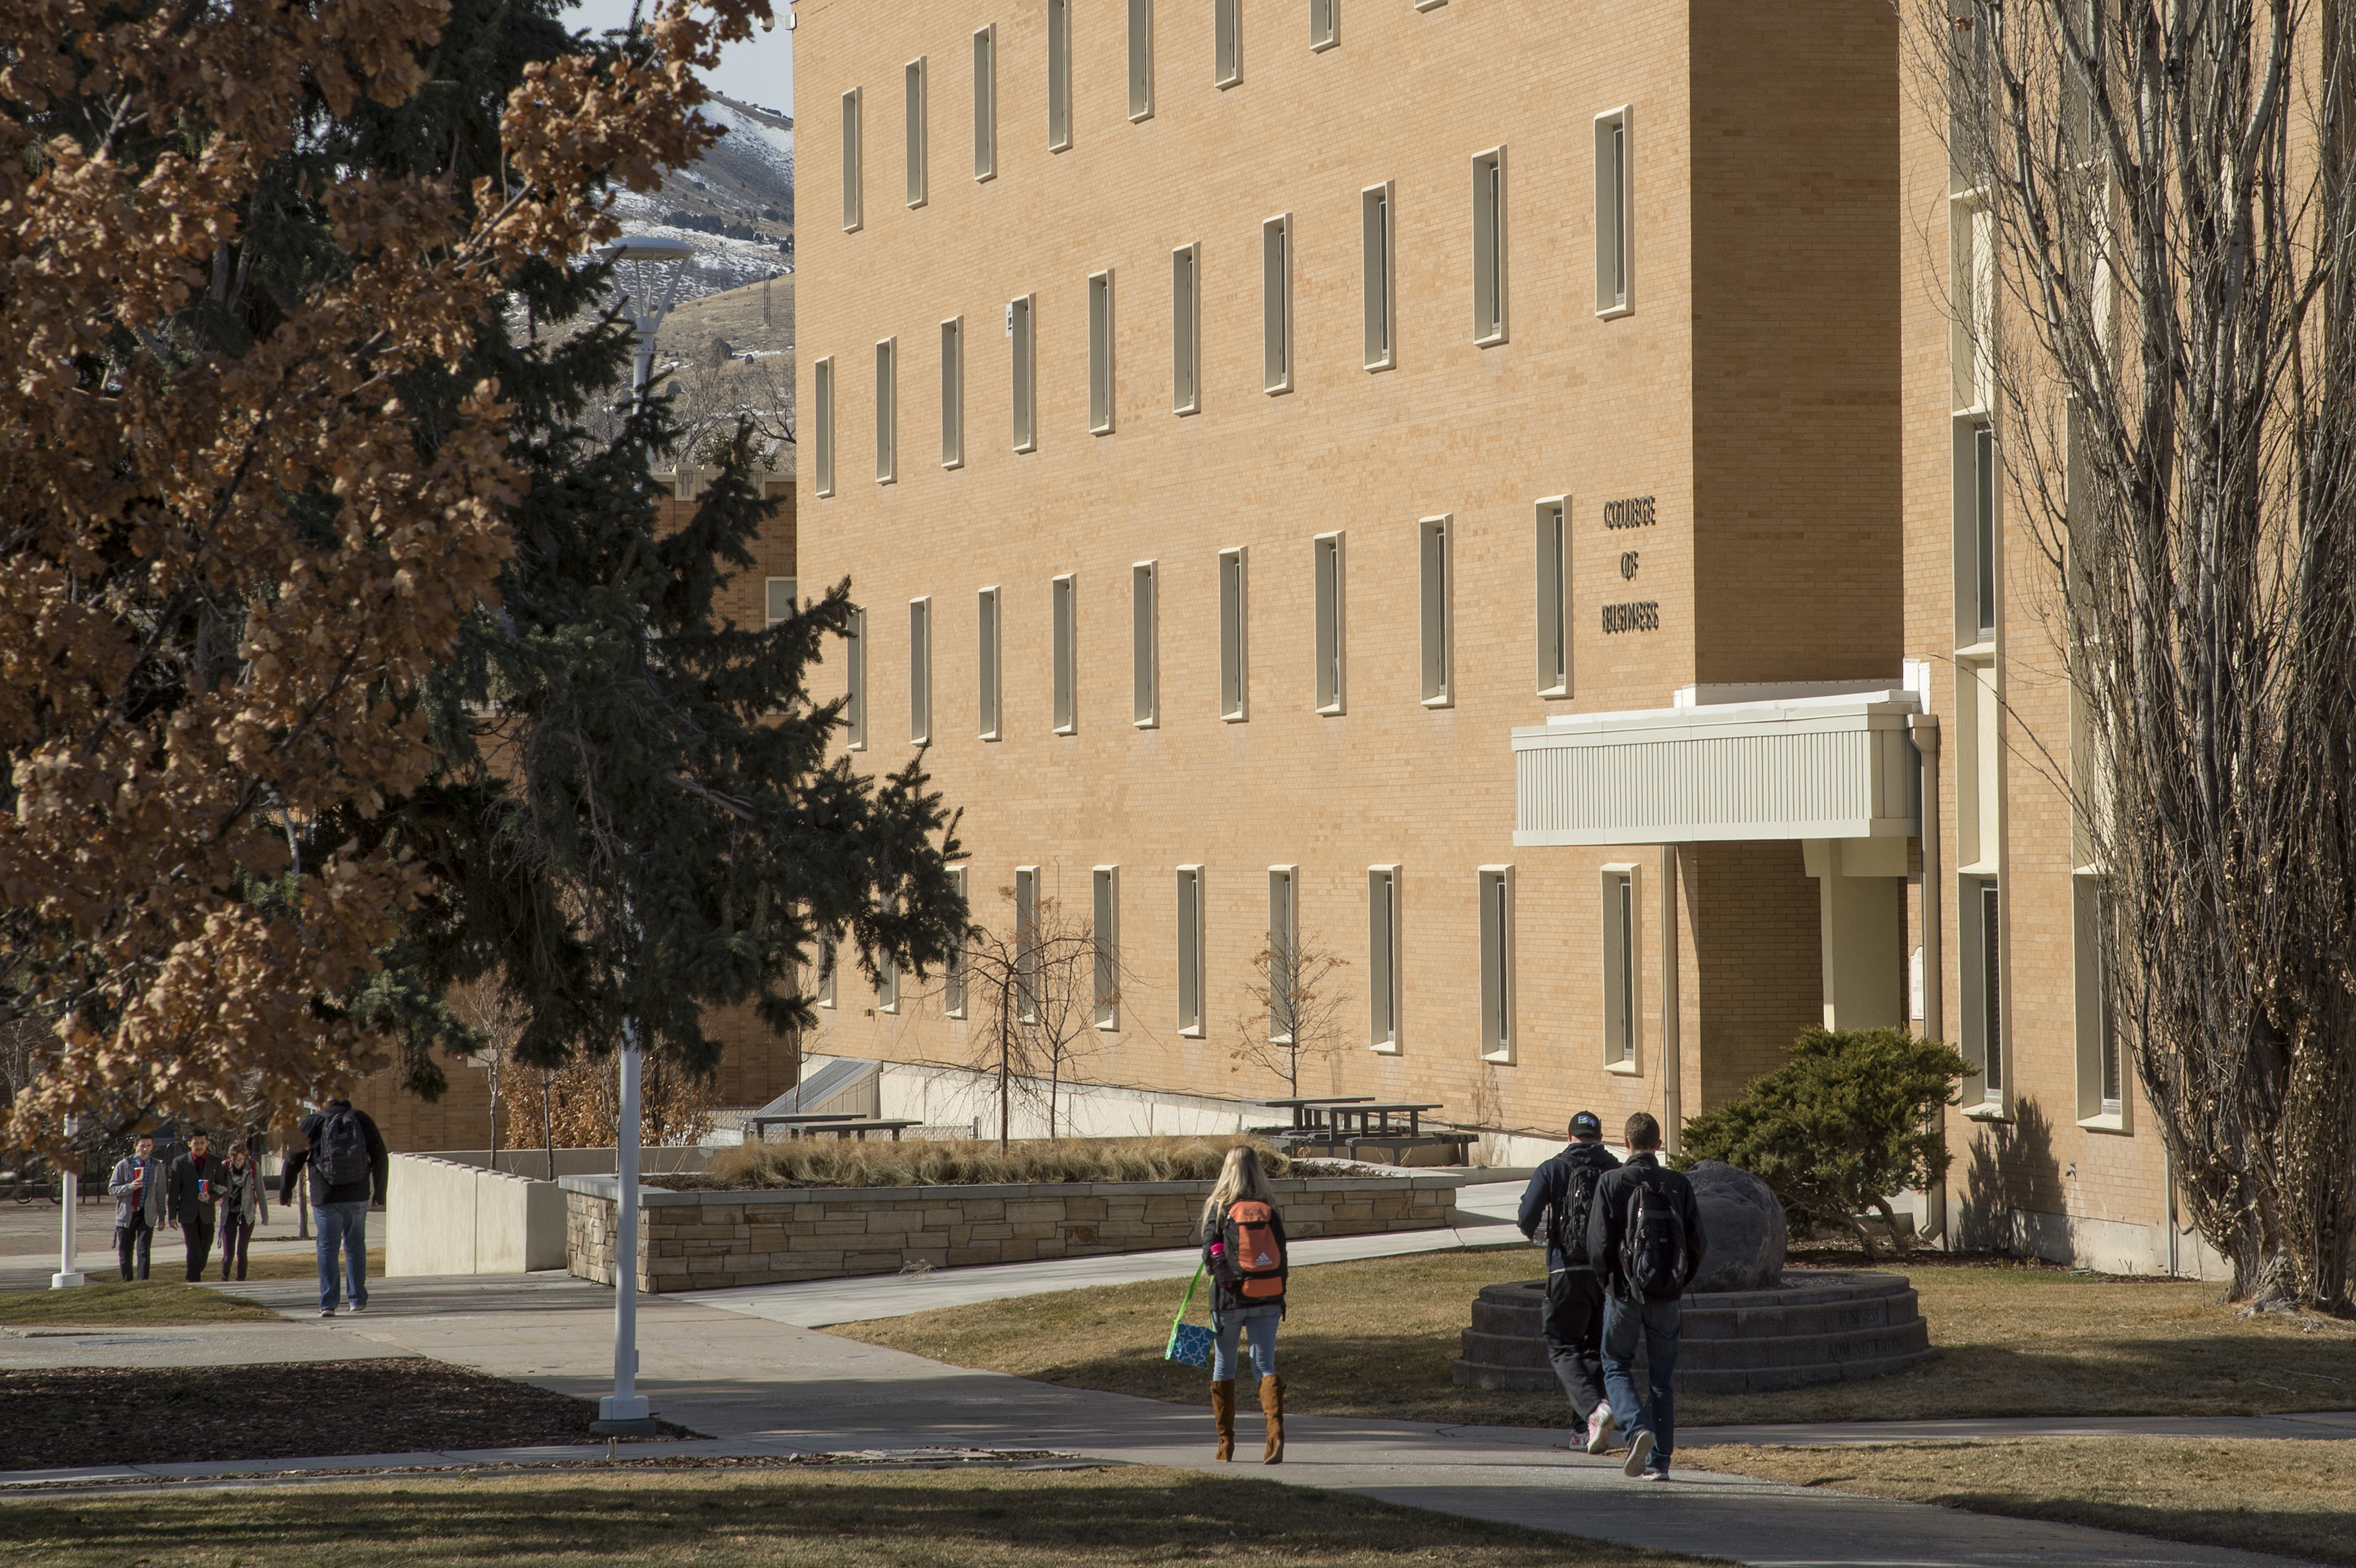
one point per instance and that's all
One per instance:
(1743, 1225)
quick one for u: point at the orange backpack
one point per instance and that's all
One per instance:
(1259, 1256)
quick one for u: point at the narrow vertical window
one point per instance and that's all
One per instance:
(1144, 648)
(1066, 654)
(1234, 682)
(953, 392)
(1375, 248)
(985, 103)
(1190, 950)
(1275, 303)
(1622, 986)
(853, 206)
(1026, 943)
(1026, 380)
(1059, 75)
(1988, 983)
(1489, 247)
(887, 984)
(826, 974)
(823, 416)
(1438, 622)
(1103, 930)
(1332, 633)
(2101, 1093)
(854, 681)
(953, 970)
(1141, 59)
(1984, 483)
(920, 671)
(1613, 212)
(1552, 552)
(1498, 1039)
(1226, 42)
(918, 151)
(1324, 24)
(1284, 954)
(887, 411)
(1383, 958)
(781, 603)
(1100, 366)
(1185, 329)
(985, 665)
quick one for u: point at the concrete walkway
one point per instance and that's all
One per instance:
(757, 1385)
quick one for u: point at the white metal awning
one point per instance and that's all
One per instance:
(1814, 766)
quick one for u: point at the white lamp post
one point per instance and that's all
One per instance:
(650, 268)
(70, 1197)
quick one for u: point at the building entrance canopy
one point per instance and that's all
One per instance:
(1726, 763)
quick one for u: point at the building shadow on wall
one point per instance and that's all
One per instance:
(2011, 1172)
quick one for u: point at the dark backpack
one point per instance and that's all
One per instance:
(1567, 1220)
(340, 1151)
(1653, 1247)
(1259, 1256)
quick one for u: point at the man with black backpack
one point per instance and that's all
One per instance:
(1644, 1237)
(348, 1165)
(1561, 1196)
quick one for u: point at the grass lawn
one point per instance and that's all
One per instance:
(1086, 1519)
(1378, 1339)
(2287, 1496)
(113, 1304)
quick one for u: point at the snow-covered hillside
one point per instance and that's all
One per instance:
(735, 205)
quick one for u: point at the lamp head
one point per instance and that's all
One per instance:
(651, 266)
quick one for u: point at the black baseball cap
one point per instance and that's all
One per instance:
(1587, 1125)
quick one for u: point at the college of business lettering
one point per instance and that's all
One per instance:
(1641, 615)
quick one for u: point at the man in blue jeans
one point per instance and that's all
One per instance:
(1644, 1240)
(347, 1162)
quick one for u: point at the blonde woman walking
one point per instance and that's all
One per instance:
(1243, 1246)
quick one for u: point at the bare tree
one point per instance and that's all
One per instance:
(496, 1014)
(1041, 988)
(2156, 273)
(1300, 1011)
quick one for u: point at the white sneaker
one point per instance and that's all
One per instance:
(360, 1306)
(1599, 1428)
(1640, 1449)
(1656, 1475)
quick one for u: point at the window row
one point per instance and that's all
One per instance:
(1498, 1032)
(1379, 342)
(1328, 629)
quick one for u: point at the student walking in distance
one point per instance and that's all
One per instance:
(347, 1162)
(195, 1188)
(1644, 1238)
(139, 1204)
(241, 1206)
(1243, 1246)
(1561, 1197)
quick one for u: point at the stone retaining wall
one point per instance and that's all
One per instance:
(704, 1240)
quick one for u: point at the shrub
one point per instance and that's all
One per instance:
(1841, 1124)
(959, 1162)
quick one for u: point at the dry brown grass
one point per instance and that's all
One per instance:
(115, 1303)
(2288, 1496)
(959, 1162)
(786, 1518)
(1378, 1339)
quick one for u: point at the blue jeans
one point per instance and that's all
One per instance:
(1657, 1322)
(1263, 1322)
(341, 1226)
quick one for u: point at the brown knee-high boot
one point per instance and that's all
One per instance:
(1223, 1411)
(1272, 1404)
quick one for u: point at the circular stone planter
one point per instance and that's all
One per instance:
(1814, 1327)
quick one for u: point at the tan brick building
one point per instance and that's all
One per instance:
(1459, 481)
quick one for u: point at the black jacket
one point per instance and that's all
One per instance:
(1226, 1279)
(368, 1190)
(1550, 1188)
(181, 1188)
(1607, 1221)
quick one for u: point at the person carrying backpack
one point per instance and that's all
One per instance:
(1561, 1196)
(348, 1165)
(1644, 1239)
(1243, 1246)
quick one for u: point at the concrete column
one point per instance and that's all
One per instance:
(1861, 886)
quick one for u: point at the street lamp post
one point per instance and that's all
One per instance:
(650, 268)
(69, 1198)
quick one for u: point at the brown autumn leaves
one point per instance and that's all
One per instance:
(181, 666)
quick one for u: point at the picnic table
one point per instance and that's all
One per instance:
(1366, 1118)
(1305, 1109)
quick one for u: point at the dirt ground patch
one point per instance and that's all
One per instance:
(783, 1519)
(83, 1415)
(2288, 1496)
(1378, 1337)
